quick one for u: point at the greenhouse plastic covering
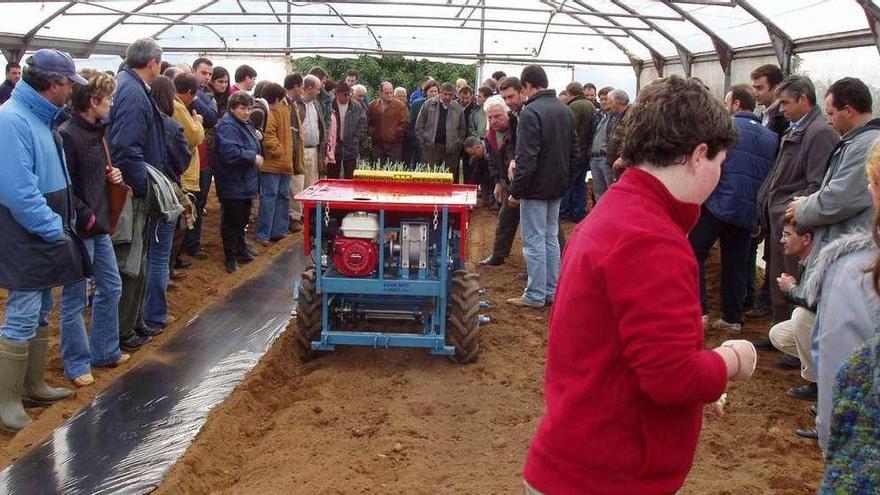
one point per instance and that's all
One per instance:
(134, 431)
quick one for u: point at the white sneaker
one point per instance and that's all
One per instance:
(721, 324)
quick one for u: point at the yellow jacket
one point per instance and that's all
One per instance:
(278, 141)
(195, 135)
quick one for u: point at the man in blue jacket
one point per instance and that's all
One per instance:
(137, 139)
(730, 213)
(40, 249)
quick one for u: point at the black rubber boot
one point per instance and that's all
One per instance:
(13, 362)
(36, 390)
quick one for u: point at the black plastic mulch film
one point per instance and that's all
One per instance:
(130, 435)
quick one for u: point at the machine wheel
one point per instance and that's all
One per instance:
(308, 316)
(462, 324)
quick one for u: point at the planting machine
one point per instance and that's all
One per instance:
(388, 250)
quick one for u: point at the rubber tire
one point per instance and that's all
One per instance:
(308, 317)
(462, 323)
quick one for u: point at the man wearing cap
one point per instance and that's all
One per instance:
(40, 249)
(352, 121)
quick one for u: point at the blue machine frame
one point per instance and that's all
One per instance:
(384, 292)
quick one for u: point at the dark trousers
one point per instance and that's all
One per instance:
(192, 239)
(131, 300)
(735, 242)
(751, 268)
(341, 166)
(505, 229)
(574, 203)
(384, 152)
(234, 216)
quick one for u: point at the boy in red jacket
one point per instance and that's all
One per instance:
(627, 375)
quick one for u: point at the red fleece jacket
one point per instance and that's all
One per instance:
(626, 374)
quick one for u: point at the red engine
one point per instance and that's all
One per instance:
(355, 257)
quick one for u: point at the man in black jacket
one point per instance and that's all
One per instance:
(13, 75)
(546, 149)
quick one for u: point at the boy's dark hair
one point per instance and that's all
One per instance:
(534, 75)
(294, 80)
(498, 75)
(589, 86)
(272, 93)
(352, 72)
(240, 99)
(744, 95)
(798, 86)
(669, 119)
(772, 72)
(258, 89)
(163, 66)
(466, 90)
(430, 84)
(486, 91)
(853, 92)
(12, 65)
(186, 83)
(605, 90)
(243, 72)
(472, 142)
(510, 82)
(202, 60)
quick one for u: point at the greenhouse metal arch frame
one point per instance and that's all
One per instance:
(703, 38)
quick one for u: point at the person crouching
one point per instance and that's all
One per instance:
(237, 175)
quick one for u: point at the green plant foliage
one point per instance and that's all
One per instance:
(402, 167)
(395, 68)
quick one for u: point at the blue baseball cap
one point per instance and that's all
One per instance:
(51, 60)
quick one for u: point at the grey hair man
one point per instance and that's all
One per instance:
(619, 106)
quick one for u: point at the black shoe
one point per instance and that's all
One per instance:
(246, 257)
(758, 311)
(148, 331)
(809, 392)
(182, 263)
(231, 265)
(134, 342)
(763, 345)
(811, 432)
(813, 411)
(201, 254)
(491, 261)
(788, 363)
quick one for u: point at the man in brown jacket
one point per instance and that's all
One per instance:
(387, 121)
(798, 171)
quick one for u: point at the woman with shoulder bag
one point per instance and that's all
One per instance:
(91, 175)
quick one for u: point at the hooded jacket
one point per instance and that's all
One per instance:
(40, 248)
(848, 311)
(546, 149)
(136, 132)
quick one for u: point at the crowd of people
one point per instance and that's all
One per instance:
(110, 176)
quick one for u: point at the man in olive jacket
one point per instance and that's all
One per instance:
(574, 204)
(798, 171)
(546, 149)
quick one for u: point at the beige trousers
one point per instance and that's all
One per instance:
(793, 338)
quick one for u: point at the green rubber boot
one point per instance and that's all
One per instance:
(36, 391)
(13, 362)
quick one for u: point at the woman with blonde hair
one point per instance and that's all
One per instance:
(852, 448)
(90, 169)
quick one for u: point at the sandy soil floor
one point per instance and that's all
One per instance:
(401, 421)
(206, 282)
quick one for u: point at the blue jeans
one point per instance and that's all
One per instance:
(603, 176)
(539, 227)
(274, 205)
(159, 238)
(25, 311)
(574, 203)
(78, 350)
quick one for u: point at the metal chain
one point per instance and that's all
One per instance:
(327, 216)
(435, 217)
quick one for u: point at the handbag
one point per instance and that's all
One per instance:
(117, 194)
